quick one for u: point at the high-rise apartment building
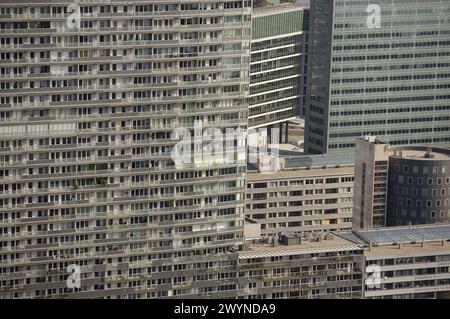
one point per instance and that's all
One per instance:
(278, 67)
(379, 68)
(90, 96)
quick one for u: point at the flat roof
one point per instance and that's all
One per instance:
(294, 163)
(395, 235)
(374, 139)
(306, 247)
(420, 154)
(310, 161)
(407, 250)
(303, 173)
(280, 8)
(351, 236)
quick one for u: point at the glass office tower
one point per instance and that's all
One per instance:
(378, 68)
(278, 58)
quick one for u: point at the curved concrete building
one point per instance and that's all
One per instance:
(418, 186)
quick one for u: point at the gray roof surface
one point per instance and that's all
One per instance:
(397, 235)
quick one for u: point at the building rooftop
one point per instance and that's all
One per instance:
(318, 161)
(290, 150)
(293, 161)
(398, 235)
(300, 173)
(422, 153)
(312, 163)
(306, 247)
(280, 8)
(403, 241)
(407, 250)
(374, 139)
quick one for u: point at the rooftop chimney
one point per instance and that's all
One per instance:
(429, 153)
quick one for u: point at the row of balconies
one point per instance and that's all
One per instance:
(116, 214)
(151, 111)
(339, 227)
(124, 73)
(287, 208)
(266, 199)
(128, 185)
(221, 12)
(128, 87)
(176, 116)
(167, 183)
(125, 252)
(114, 117)
(128, 154)
(94, 89)
(150, 238)
(115, 266)
(116, 187)
(96, 44)
(300, 218)
(116, 200)
(119, 130)
(63, 61)
(129, 172)
(114, 254)
(137, 101)
(169, 210)
(303, 186)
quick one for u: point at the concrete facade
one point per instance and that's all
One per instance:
(371, 176)
(410, 262)
(308, 195)
(413, 271)
(397, 186)
(419, 186)
(87, 176)
(327, 268)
